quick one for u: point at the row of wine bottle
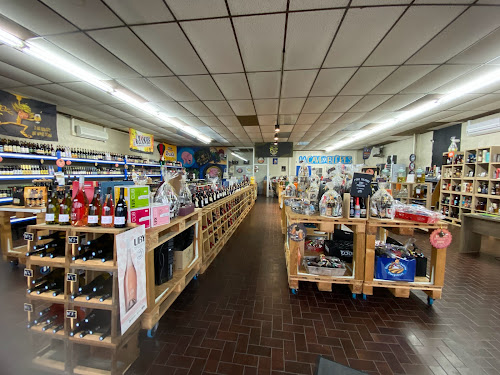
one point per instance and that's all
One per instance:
(63, 210)
(203, 197)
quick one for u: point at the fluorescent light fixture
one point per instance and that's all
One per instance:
(238, 156)
(479, 83)
(10, 39)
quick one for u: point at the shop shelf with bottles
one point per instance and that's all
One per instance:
(413, 192)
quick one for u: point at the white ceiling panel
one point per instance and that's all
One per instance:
(183, 9)
(408, 35)
(174, 109)
(92, 92)
(371, 117)
(291, 105)
(230, 121)
(331, 81)
(402, 78)
(297, 83)
(233, 86)
(203, 86)
(132, 111)
(134, 12)
(211, 121)
(174, 87)
(288, 120)
(316, 104)
(343, 103)
(144, 88)
(242, 107)
(22, 76)
(309, 35)
(219, 107)
(252, 130)
(379, 2)
(264, 85)
(68, 94)
(328, 118)
(214, 41)
(460, 116)
(316, 4)
(478, 103)
(460, 35)
(88, 14)
(307, 118)
(238, 7)
(125, 45)
(266, 106)
(397, 102)
(197, 108)
(42, 95)
(194, 121)
(369, 102)
(376, 22)
(5, 83)
(483, 51)
(366, 79)
(301, 128)
(437, 77)
(267, 119)
(261, 39)
(166, 38)
(467, 78)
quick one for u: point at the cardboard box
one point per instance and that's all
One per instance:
(140, 216)
(112, 184)
(182, 259)
(160, 214)
(135, 196)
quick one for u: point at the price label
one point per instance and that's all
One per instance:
(71, 277)
(28, 307)
(71, 314)
(28, 236)
(28, 272)
(72, 240)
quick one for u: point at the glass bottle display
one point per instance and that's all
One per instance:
(95, 208)
(52, 212)
(120, 220)
(108, 211)
(80, 206)
(65, 207)
(402, 175)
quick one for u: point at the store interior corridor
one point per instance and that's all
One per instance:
(240, 318)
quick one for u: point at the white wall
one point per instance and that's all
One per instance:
(485, 140)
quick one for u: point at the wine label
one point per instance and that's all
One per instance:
(49, 217)
(93, 219)
(63, 218)
(106, 219)
(206, 200)
(119, 220)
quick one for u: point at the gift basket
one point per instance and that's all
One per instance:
(415, 212)
(290, 191)
(302, 207)
(324, 265)
(312, 192)
(166, 193)
(330, 204)
(382, 205)
(186, 205)
(394, 262)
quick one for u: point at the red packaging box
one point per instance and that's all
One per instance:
(140, 216)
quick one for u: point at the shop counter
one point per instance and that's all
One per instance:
(474, 226)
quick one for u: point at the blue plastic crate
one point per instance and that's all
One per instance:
(395, 269)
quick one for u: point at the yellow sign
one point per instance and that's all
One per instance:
(170, 153)
(140, 141)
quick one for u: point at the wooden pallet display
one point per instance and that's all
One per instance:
(409, 197)
(161, 297)
(87, 355)
(283, 213)
(297, 272)
(432, 284)
(213, 223)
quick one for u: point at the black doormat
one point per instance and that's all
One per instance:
(327, 367)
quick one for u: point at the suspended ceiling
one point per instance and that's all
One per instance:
(327, 68)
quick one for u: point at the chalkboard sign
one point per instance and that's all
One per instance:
(361, 185)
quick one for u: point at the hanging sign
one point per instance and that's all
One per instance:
(140, 142)
(169, 153)
(367, 152)
(27, 118)
(131, 275)
(269, 150)
(322, 159)
(441, 238)
(361, 185)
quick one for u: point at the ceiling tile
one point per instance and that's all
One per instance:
(398, 102)
(369, 102)
(437, 77)
(366, 79)
(309, 35)
(214, 41)
(401, 78)
(92, 92)
(144, 88)
(45, 96)
(408, 35)
(174, 109)
(68, 94)
(197, 108)
(264, 85)
(307, 118)
(233, 86)
(480, 103)
(20, 75)
(261, 39)
(467, 78)
(297, 83)
(203, 86)
(133, 12)
(379, 2)
(289, 120)
(168, 37)
(252, 129)
(5, 83)
(328, 118)
(219, 107)
(291, 105)
(266, 106)
(88, 14)
(211, 121)
(183, 9)
(174, 87)
(267, 119)
(343, 103)
(316, 104)
(238, 7)
(230, 121)
(481, 52)
(301, 128)
(331, 81)
(320, 126)
(316, 4)
(242, 107)
(126, 46)
(376, 22)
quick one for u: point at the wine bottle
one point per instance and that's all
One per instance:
(362, 207)
(65, 207)
(80, 206)
(53, 236)
(52, 212)
(121, 211)
(105, 334)
(108, 210)
(101, 289)
(130, 283)
(95, 208)
(88, 288)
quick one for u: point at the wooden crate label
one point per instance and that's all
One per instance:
(71, 314)
(28, 236)
(71, 277)
(73, 240)
(28, 272)
(28, 307)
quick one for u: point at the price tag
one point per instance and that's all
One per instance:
(28, 236)
(28, 307)
(28, 272)
(71, 277)
(71, 314)
(73, 240)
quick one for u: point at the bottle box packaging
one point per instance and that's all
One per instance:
(135, 196)
(182, 259)
(140, 216)
(160, 214)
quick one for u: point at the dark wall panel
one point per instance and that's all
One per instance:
(442, 142)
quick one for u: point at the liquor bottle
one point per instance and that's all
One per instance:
(418, 191)
(329, 209)
(108, 210)
(95, 208)
(52, 212)
(121, 211)
(130, 283)
(362, 208)
(357, 209)
(351, 208)
(195, 200)
(80, 206)
(64, 207)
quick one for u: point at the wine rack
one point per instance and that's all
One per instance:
(409, 197)
(96, 352)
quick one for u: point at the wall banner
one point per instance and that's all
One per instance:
(141, 142)
(270, 150)
(27, 118)
(321, 159)
(170, 153)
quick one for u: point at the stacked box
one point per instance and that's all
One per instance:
(160, 214)
(182, 259)
(135, 196)
(140, 216)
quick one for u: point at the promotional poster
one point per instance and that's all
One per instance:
(27, 118)
(141, 142)
(206, 162)
(170, 153)
(130, 253)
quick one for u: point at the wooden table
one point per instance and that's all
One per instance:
(474, 226)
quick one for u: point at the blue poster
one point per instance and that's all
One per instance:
(275, 160)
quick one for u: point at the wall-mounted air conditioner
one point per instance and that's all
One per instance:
(91, 133)
(483, 127)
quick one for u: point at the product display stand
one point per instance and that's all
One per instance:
(161, 297)
(220, 220)
(59, 351)
(283, 213)
(295, 250)
(432, 284)
(410, 197)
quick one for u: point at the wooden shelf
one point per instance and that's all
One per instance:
(94, 264)
(81, 301)
(47, 262)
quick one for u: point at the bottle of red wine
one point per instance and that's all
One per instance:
(121, 211)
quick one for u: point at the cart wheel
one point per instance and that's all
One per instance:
(14, 263)
(44, 270)
(295, 291)
(364, 297)
(354, 296)
(195, 277)
(152, 331)
(430, 301)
